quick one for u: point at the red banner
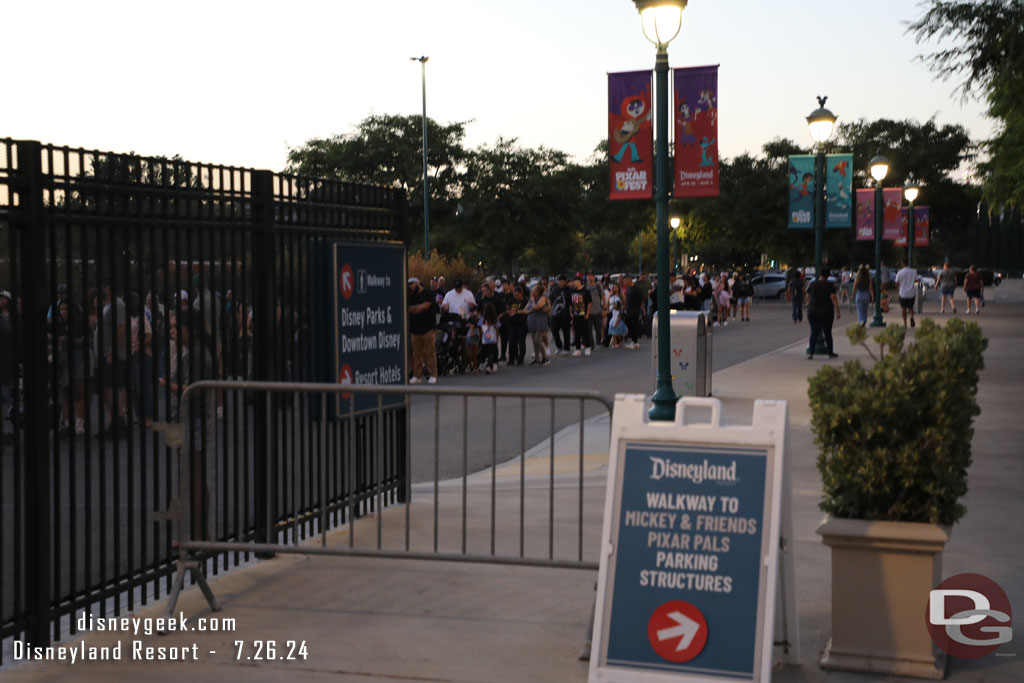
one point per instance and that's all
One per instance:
(921, 226)
(695, 113)
(865, 215)
(892, 201)
(630, 137)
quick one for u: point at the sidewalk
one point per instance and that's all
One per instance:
(365, 619)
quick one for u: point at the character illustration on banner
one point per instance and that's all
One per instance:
(840, 168)
(842, 196)
(635, 116)
(800, 190)
(685, 121)
(706, 109)
(706, 160)
(891, 207)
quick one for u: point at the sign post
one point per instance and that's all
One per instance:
(689, 561)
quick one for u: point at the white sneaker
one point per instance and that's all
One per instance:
(636, 345)
(432, 380)
(576, 353)
(586, 352)
(414, 380)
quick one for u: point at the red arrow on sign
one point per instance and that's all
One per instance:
(677, 631)
(345, 377)
(346, 281)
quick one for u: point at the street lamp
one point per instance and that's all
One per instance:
(426, 184)
(879, 168)
(820, 123)
(910, 191)
(661, 21)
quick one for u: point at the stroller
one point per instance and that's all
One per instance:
(448, 341)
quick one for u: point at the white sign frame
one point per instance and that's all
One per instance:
(767, 431)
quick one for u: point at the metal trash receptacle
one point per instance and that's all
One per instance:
(690, 344)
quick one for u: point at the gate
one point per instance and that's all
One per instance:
(108, 258)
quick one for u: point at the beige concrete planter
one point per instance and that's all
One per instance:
(881, 575)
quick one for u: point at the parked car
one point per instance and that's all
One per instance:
(769, 285)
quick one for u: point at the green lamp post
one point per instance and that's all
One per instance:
(661, 20)
(879, 168)
(910, 191)
(820, 123)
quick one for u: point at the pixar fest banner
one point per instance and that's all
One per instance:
(630, 136)
(696, 129)
(801, 191)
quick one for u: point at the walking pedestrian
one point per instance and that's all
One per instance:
(821, 303)
(797, 292)
(974, 288)
(863, 293)
(905, 279)
(422, 331)
(742, 292)
(947, 288)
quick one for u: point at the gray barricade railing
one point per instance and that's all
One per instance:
(184, 507)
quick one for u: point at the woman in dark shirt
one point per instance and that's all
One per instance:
(821, 302)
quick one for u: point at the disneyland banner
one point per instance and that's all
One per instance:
(630, 137)
(865, 215)
(892, 201)
(696, 130)
(801, 191)
(838, 190)
(921, 227)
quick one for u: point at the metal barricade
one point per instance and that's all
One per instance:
(194, 539)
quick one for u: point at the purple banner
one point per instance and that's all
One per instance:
(630, 137)
(865, 215)
(696, 131)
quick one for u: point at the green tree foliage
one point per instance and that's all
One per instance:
(985, 53)
(387, 150)
(895, 438)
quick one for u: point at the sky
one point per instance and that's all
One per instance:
(239, 83)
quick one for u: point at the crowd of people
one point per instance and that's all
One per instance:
(456, 330)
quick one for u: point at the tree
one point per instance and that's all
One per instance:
(988, 59)
(388, 150)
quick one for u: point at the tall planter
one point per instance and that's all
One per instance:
(895, 442)
(881, 575)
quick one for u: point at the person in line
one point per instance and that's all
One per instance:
(561, 319)
(489, 339)
(634, 311)
(581, 303)
(863, 293)
(742, 292)
(905, 279)
(422, 324)
(617, 329)
(537, 324)
(797, 293)
(821, 302)
(974, 288)
(457, 300)
(598, 310)
(947, 288)
(515, 321)
(733, 302)
(724, 299)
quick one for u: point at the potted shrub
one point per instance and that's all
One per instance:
(895, 445)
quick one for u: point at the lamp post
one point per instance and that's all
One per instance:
(674, 222)
(820, 123)
(879, 168)
(910, 191)
(661, 21)
(426, 184)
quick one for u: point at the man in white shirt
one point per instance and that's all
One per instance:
(905, 279)
(457, 300)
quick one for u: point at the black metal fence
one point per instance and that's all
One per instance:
(126, 278)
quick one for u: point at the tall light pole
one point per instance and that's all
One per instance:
(426, 182)
(821, 122)
(661, 20)
(910, 191)
(879, 168)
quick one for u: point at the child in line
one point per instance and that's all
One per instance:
(489, 339)
(617, 326)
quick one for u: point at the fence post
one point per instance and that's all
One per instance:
(38, 487)
(263, 217)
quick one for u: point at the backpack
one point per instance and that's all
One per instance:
(558, 307)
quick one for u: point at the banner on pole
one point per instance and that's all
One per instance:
(892, 200)
(696, 130)
(838, 190)
(920, 226)
(865, 214)
(630, 137)
(801, 191)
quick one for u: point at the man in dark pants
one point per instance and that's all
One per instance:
(560, 315)
(504, 294)
(581, 303)
(821, 302)
(634, 311)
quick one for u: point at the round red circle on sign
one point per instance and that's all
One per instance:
(969, 636)
(346, 281)
(345, 377)
(677, 631)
